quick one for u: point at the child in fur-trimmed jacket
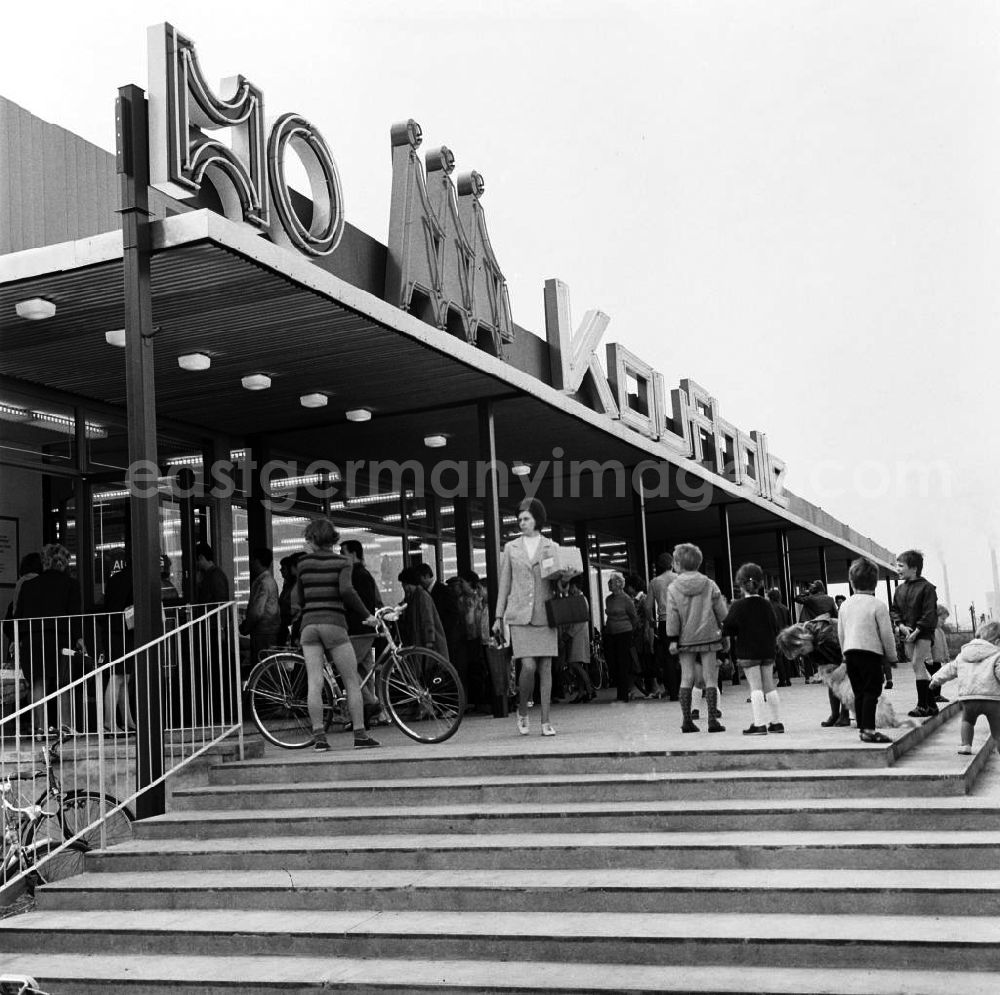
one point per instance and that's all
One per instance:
(977, 668)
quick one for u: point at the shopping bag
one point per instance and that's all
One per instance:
(498, 661)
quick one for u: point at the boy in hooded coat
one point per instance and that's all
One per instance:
(695, 612)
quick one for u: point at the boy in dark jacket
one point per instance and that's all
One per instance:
(914, 611)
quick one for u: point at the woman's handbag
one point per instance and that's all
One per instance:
(565, 611)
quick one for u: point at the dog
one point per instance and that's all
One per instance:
(835, 678)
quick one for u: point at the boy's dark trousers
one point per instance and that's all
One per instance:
(668, 663)
(864, 671)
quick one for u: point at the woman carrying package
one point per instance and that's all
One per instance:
(521, 604)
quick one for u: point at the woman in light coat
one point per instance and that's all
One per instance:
(521, 604)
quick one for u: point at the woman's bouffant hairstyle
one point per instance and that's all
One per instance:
(55, 557)
(615, 575)
(863, 574)
(990, 631)
(687, 556)
(791, 640)
(321, 532)
(536, 509)
(750, 578)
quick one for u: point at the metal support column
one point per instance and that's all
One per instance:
(217, 450)
(140, 405)
(84, 514)
(824, 574)
(727, 552)
(847, 567)
(488, 455)
(259, 531)
(463, 534)
(888, 589)
(784, 576)
(639, 527)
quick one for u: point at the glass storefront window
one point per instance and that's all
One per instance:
(38, 432)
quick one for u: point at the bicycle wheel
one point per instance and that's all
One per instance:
(83, 809)
(422, 693)
(277, 692)
(65, 864)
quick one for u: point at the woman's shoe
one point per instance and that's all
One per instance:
(775, 727)
(365, 742)
(867, 736)
(547, 729)
(689, 727)
(753, 730)
(831, 721)
(715, 726)
(522, 724)
(965, 750)
(844, 719)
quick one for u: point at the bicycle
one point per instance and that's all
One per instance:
(19, 984)
(32, 832)
(418, 688)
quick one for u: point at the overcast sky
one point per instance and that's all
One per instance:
(793, 202)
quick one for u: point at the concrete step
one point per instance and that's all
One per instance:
(941, 943)
(637, 891)
(290, 768)
(527, 788)
(825, 849)
(941, 814)
(840, 748)
(108, 974)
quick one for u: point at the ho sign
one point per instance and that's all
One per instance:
(248, 175)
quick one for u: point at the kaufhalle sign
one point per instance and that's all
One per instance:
(441, 265)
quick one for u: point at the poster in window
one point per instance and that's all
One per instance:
(8, 551)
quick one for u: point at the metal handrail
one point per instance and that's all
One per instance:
(200, 705)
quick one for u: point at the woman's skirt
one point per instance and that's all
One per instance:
(533, 641)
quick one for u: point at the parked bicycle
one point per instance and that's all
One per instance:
(32, 832)
(19, 984)
(418, 688)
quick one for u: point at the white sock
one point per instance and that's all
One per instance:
(773, 702)
(757, 705)
(696, 698)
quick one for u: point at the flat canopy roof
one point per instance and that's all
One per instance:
(255, 307)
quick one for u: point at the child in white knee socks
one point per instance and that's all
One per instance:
(751, 622)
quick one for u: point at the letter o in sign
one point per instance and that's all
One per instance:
(327, 225)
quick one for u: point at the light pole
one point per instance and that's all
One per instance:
(972, 615)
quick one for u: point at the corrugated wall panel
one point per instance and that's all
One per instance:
(54, 186)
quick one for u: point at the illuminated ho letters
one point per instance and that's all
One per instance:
(184, 111)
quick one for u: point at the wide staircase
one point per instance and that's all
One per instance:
(755, 869)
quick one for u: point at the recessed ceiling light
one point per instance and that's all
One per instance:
(435, 441)
(115, 337)
(313, 400)
(359, 414)
(256, 381)
(35, 309)
(520, 469)
(194, 361)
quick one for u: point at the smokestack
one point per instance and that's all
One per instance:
(944, 580)
(996, 577)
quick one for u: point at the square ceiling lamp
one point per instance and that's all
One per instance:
(194, 361)
(115, 337)
(314, 400)
(359, 414)
(256, 381)
(35, 309)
